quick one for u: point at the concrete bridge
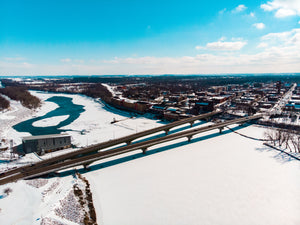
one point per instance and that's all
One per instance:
(126, 139)
(68, 160)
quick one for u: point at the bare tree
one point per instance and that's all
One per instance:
(287, 136)
(7, 191)
(270, 135)
(289, 139)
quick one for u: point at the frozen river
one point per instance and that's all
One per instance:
(66, 109)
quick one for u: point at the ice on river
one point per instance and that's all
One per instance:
(53, 121)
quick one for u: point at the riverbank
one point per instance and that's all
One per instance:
(92, 126)
(18, 113)
(47, 203)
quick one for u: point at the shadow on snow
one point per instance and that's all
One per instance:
(139, 155)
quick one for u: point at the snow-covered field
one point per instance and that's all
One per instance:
(216, 179)
(41, 201)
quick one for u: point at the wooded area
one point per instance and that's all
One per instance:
(4, 104)
(21, 94)
(97, 91)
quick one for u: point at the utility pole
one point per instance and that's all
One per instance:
(11, 149)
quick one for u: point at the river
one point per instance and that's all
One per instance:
(66, 108)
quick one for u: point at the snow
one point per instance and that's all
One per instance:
(33, 201)
(18, 113)
(96, 121)
(110, 89)
(6, 117)
(216, 179)
(21, 202)
(53, 121)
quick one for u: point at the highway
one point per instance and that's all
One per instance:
(126, 139)
(33, 171)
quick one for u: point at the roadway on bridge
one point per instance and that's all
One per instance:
(29, 172)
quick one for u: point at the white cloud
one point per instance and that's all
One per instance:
(198, 47)
(223, 46)
(67, 60)
(239, 8)
(269, 60)
(267, 7)
(277, 53)
(252, 14)
(259, 26)
(237, 39)
(299, 22)
(285, 12)
(78, 61)
(283, 8)
(288, 38)
(262, 45)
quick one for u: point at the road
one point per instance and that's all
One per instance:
(277, 108)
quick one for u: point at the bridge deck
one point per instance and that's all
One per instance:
(34, 171)
(126, 139)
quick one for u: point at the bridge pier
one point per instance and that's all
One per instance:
(192, 123)
(86, 167)
(128, 142)
(167, 131)
(221, 129)
(144, 150)
(189, 138)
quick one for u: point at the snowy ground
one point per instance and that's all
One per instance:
(95, 120)
(53, 121)
(41, 201)
(40, 204)
(18, 113)
(216, 179)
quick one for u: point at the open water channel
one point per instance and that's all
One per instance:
(66, 108)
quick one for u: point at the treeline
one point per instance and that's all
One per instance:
(197, 80)
(287, 139)
(97, 91)
(4, 103)
(21, 94)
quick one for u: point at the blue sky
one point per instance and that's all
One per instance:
(53, 37)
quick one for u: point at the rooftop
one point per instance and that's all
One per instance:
(45, 136)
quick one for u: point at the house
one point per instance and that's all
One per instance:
(46, 143)
(292, 107)
(204, 106)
